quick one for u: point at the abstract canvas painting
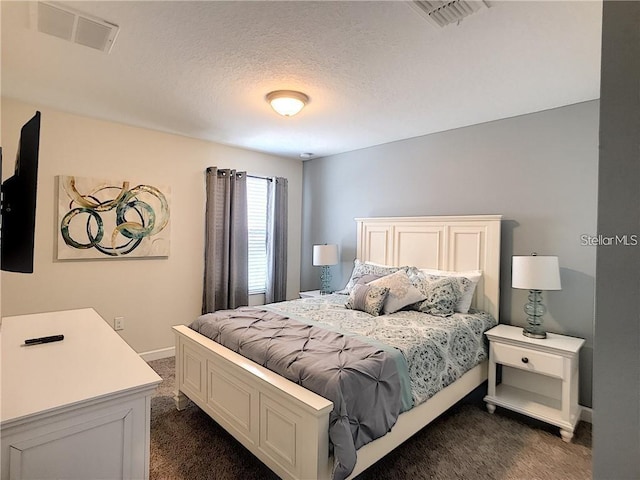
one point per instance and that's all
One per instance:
(112, 219)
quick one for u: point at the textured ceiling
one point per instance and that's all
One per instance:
(376, 72)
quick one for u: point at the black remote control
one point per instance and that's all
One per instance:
(38, 341)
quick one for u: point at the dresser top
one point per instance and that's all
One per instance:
(90, 363)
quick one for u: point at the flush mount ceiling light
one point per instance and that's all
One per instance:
(287, 102)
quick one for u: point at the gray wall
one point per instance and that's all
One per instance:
(616, 427)
(539, 171)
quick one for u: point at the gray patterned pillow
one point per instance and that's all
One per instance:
(367, 298)
(474, 277)
(361, 268)
(401, 291)
(442, 294)
(367, 278)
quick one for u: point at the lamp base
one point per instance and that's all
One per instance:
(325, 281)
(534, 334)
(534, 310)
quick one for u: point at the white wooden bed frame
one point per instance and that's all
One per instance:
(285, 425)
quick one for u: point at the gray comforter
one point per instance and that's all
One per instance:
(433, 352)
(360, 379)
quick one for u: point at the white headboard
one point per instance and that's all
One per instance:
(458, 243)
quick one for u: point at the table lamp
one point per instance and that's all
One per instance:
(325, 256)
(535, 273)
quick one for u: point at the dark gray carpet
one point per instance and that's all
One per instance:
(464, 443)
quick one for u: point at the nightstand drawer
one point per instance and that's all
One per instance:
(528, 359)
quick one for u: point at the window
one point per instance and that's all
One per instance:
(257, 223)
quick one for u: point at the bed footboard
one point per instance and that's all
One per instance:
(280, 422)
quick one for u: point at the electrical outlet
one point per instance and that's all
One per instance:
(118, 323)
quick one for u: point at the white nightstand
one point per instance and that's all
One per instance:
(539, 377)
(310, 294)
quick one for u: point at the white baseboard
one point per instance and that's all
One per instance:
(158, 354)
(587, 415)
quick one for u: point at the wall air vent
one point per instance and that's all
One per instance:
(443, 13)
(69, 24)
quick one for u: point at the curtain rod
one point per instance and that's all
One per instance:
(248, 175)
(259, 176)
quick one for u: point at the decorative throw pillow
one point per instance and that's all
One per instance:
(367, 298)
(401, 291)
(361, 268)
(467, 297)
(442, 294)
(368, 278)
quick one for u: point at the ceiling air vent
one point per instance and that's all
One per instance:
(77, 27)
(443, 13)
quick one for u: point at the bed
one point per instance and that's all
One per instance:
(285, 425)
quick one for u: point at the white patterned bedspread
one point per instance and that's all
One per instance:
(437, 350)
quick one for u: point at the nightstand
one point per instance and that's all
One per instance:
(539, 377)
(310, 294)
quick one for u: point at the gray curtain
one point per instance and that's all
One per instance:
(226, 278)
(277, 202)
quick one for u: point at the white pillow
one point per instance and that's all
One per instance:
(467, 297)
(401, 291)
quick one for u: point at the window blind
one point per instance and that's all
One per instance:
(257, 223)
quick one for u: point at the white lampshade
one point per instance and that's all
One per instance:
(535, 272)
(287, 102)
(325, 255)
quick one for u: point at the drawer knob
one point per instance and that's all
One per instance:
(525, 360)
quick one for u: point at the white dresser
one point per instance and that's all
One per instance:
(74, 409)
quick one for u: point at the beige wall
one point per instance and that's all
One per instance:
(152, 294)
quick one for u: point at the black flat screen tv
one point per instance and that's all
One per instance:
(19, 203)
